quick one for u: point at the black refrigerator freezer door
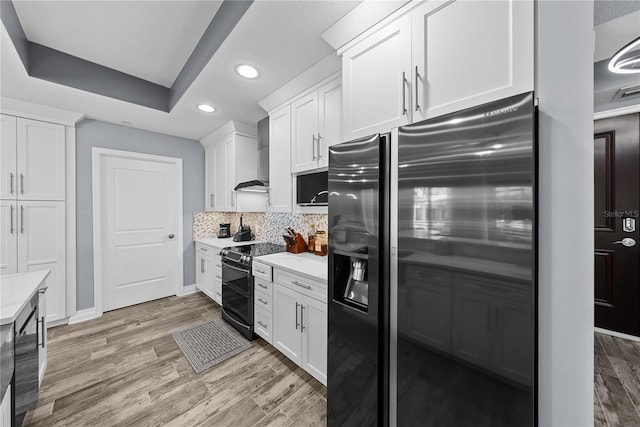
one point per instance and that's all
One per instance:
(466, 262)
(357, 343)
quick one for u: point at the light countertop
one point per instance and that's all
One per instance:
(16, 290)
(306, 264)
(223, 243)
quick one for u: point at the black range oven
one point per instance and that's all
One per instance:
(237, 284)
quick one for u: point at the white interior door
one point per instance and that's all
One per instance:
(140, 222)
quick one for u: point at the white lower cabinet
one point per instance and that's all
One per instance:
(33, 238)
(209, 271)
(300, 328)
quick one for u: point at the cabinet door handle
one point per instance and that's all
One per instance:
(297, 323)
(301, 318)
(212, 200)
(11, 215)
(260, 271)
(232, 203)
(261, 324)
(416, 84)
(10, 182)
(21, 183)
(404, 94)
(218, 277)
(302, 285)
(201, 265)
(313, 146)
(219, 294)
(43, 332)
(319, 150)
(262, 301)
(21, 219)
(262, 286)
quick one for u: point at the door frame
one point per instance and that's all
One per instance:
(97, 155)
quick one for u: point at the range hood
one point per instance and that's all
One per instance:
(255, 185)
(261, 183)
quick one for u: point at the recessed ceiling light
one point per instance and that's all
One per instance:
(247, 71)
(206, 108)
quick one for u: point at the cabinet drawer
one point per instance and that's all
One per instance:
(205, 249)
(217, 260)
(263, 301)
(493, 287)
(263, 271)
(263, 286)
(305, 286)
(217, 273)
(263, 324)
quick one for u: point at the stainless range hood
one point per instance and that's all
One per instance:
(261, 183)
(255, 185)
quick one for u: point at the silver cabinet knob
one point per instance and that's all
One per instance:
(171, 236)
(627, 241)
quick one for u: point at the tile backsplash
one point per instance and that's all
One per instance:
(267, 226)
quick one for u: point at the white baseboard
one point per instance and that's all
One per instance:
(190, 289)
(84, 315)
(618, 334)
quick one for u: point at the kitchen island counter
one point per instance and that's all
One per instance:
(16, 290)
(306, 264)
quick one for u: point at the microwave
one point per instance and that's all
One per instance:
(311, 189)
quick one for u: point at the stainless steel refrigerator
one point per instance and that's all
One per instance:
(432, 262)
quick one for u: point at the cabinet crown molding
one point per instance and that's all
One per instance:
(232, 127)
(361, 19)
(28, 110)
(325, 68)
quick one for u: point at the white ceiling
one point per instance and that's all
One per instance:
(281, 38)
(612, 35)
(147, 39)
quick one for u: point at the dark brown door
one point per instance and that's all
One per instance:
(617, 221)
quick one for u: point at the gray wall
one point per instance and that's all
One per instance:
(564, 86)
(93, 133)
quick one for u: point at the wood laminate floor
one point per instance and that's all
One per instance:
(125, 369)
(617, 382)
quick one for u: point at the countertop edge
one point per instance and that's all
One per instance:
(274, 264)
(38, 278)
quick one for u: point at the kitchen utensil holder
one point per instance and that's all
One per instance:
(299, 247)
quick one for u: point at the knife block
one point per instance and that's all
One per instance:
(299, 247)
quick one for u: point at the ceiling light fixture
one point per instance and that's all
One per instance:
(247, 71)
(626, 65)
(206, 108)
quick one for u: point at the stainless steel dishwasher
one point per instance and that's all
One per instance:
(26, 360)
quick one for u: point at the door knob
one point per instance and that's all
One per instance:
(171, 236)
(627, 241)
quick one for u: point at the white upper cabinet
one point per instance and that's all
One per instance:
(304, 132)
(229, 160)
(8, 237)
(437, 58)
(468, 53)
(41, 160)
(375, 81)
(316, 124)
(280, 182)
(329, 119)
(32, 160)
(8, 157)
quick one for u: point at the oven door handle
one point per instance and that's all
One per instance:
(242, 270)
(242, 325)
